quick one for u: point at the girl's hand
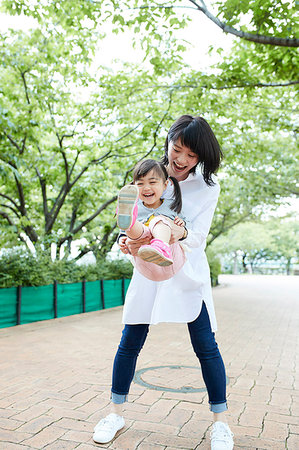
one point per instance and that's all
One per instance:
(122, 242)
(179, 222)
(134, 245)
(177, 233)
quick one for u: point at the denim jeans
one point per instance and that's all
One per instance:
(205, 348)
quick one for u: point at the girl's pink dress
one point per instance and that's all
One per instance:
(153, 271)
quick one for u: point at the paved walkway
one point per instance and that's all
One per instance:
(55, 376)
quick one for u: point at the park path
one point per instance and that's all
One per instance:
(55, 376)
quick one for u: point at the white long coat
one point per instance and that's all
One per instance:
(179, 299)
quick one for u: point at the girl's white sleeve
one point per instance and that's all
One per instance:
(201, 222)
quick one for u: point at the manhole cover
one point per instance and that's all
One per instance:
(182, 379)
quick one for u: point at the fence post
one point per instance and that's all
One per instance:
(84, 295)
(55, 298)
(19, 301)
(102, 294)
(123, 290)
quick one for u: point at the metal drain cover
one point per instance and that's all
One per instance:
(183, 379)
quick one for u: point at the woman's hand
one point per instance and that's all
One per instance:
(177, 233)
(134, 245)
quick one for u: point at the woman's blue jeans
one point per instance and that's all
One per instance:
(205, 348)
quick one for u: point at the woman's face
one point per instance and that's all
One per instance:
(181, 160)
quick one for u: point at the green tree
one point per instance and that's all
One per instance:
(257, 243)
(69, 136)
(68, 140)
(284, 241)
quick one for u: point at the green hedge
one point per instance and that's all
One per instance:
(215, 266)
(24, 269)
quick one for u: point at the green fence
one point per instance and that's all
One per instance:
(19, 305)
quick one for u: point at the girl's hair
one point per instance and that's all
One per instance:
(144, 167)
(196, 134)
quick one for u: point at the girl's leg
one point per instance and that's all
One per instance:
(161, 231)
(159, 251)
(213, 371)
(136, 231)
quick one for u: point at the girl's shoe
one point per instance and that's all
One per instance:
(127, 208)
(158, 252)
(107, 428)
(221, 437)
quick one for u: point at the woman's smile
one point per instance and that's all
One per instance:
(181, 160)
(179, 167)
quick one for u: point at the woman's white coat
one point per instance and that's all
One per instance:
(179, 299)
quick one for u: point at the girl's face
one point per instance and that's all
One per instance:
(151, 188)
(181, 160)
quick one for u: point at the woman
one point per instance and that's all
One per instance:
(192, 156)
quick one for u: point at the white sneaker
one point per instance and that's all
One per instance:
(107, 428)
(221, 437)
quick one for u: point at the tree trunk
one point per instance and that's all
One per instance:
(244, 263)
(288, 266)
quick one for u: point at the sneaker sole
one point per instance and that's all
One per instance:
(127, 198)
(154, 256)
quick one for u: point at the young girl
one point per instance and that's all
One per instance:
(142, 200)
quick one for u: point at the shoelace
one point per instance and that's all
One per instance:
(104, 422)
(222, 434)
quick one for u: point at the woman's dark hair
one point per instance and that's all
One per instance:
(196, 134)
(144, 167)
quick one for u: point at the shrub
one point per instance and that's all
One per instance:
(215, 266)
(19, 268)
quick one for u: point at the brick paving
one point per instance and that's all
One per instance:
(55, 376)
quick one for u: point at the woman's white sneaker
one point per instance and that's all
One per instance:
(106, 429)
(221, 437)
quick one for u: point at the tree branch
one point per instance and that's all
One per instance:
(25, 87)
(73, 218)
(85, 222)
(219, 88)
(155, 137)
(133, 129)
(258, 38)
(11, 200)
(23, 145)
(224, 229)
(74, 163)
(44, 193)
(22, 207)
(14, 143)
(11, 208)
(6, 216)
